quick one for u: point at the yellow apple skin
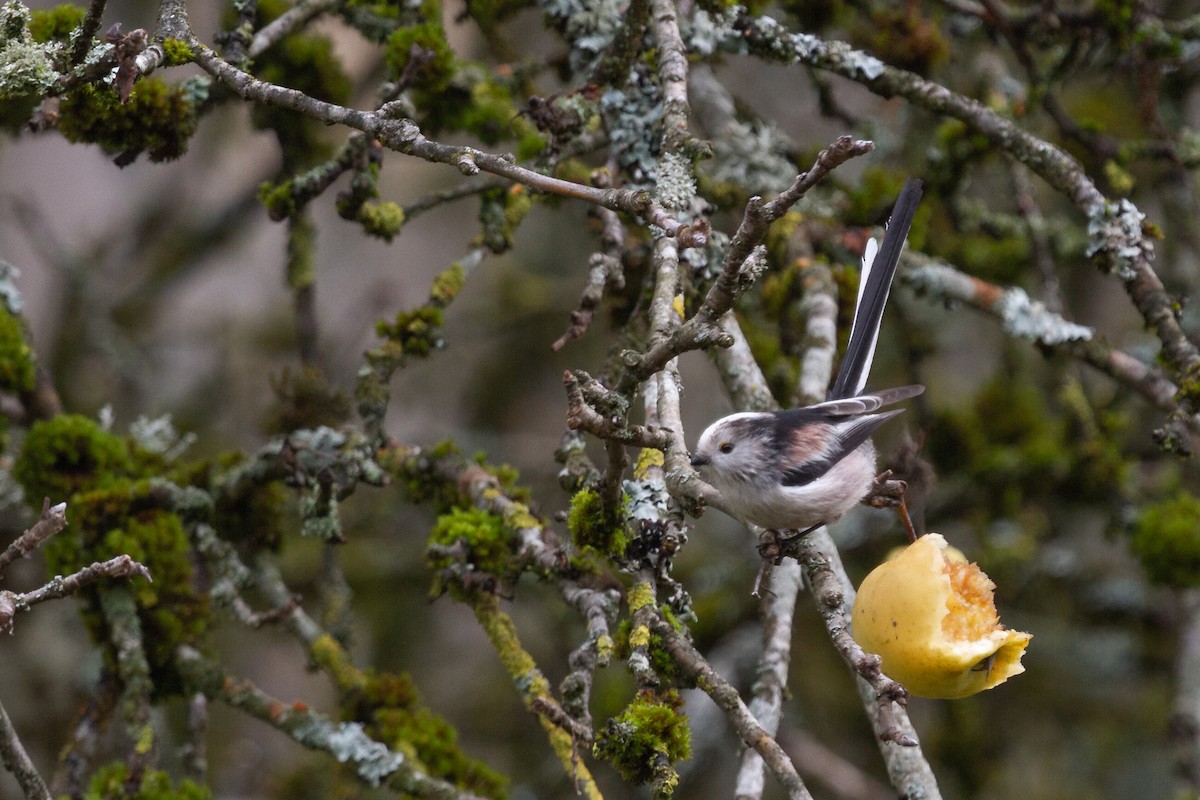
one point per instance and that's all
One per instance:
(938, 637)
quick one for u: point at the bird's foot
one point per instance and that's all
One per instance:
(772, 547)
(888, 492)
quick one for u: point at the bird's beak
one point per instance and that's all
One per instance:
(699, 461)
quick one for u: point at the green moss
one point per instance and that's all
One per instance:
(256, 518)
(646, 739)
(126, 517)
(431, 74)
(592, 528)
(158, 120)
(17, 372)
(111, 782)
(381, 220)
(54, 23)
(1119, 178)
(176, 52)
(448, 283)
(420, 479)
(488, 543)
(1167, 540)
(391, 710)
(1014, 448)
(415, 331)
(501, 211)
(278, 198)
(68, 454)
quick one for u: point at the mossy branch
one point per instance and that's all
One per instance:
(561, 731)
(404, 136)
(371, 760)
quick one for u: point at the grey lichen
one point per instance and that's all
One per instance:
(938, 280)
(707, 261)
(26, 67)
(646, 499)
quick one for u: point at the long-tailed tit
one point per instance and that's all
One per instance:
(806, 467)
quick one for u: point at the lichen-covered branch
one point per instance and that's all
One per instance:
(133, 669)
(1029, 319)
(771, 672)
(404, 136)
(372, 761)
(833, 594)
(1116, 229)
(561, 731)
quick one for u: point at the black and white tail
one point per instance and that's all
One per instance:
(878, 269)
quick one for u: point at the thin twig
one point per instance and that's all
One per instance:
(17, 761)
(702, 329)
(286, 23)
(726, 696)
(118, 567)
(52, 520)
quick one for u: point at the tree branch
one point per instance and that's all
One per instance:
(17, 761)
(1115, 228)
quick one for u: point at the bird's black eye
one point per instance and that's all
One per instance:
(726, 447)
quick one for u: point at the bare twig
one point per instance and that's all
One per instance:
(118, 567)
(286, 23)
(605, 271)
(17, 761)
(52, 520)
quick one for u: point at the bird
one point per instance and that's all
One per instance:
(802, 468)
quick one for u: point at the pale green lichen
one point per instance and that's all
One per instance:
(1115, 233)
(1030, 319)
(10, 295)
(26, 67)
(676, 183)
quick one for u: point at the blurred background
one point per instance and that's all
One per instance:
(158, 288)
